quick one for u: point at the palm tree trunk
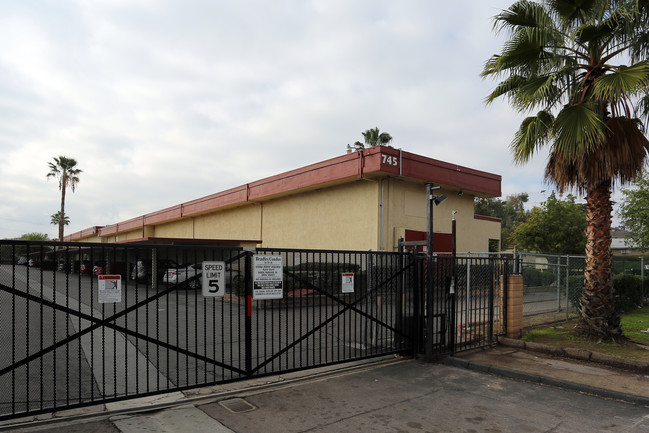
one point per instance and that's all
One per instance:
(597, 314)
(62, 216)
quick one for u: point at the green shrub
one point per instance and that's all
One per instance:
(627, 289)
(628, 292)
(533, 277)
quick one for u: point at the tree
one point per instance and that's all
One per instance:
(511, 212)
(557, 227)
(56, 219)
(634, 212)
(373, 137)
(566, 59)
(33, 237)
(65, 170)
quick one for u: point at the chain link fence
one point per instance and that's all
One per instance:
(552, 284)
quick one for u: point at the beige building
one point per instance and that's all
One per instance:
(359, 201)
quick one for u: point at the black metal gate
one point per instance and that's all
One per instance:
(468, 299)
(71, 339)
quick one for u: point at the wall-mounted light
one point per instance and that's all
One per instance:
(437, 199)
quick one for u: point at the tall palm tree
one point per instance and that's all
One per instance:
(56, 219)
(65, 170)
(583, 64)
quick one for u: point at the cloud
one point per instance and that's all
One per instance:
(166, 101)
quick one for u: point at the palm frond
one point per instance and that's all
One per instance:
(621, 158)
(577, 129)
(506, 87)
(622, 83)
(533, 133)
(523, 13)
(642, 110)
(575, 12)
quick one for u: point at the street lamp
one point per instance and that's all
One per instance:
(433, 200)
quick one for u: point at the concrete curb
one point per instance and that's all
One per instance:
(545, 380)
(580, 354)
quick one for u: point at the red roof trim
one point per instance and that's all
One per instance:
(377, 160)
(487, 218)
(192, 240)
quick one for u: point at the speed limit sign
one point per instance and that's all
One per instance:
(213, 279)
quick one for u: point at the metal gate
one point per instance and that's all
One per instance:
(464, 300)
(69, 340)
(468, 299)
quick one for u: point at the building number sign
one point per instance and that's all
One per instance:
(390, 160)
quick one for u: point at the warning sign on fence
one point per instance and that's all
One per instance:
(110, 289)
(268, 277)
(348, 282)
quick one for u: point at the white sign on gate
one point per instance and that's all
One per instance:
(213, 279)
(348, 282)
(110, 289)
(268, 277)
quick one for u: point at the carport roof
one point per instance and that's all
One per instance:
(373, 163)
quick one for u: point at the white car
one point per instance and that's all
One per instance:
(182, 273)
(193, 274)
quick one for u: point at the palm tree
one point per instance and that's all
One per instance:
(56, 219)
(373, 137)
(565, 58)
(64, 169)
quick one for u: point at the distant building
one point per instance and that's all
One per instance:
(364, 200)
(622, 244)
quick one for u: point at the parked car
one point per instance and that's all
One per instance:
(142, 269)
(113, 268)
(70, 267)
(22, 260)
(193, 273)
(183, 273)
(87, 267)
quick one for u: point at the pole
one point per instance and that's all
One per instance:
(429, 275)
(452, 308)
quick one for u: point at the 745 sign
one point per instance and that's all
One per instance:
(213, 279)
(390, 160)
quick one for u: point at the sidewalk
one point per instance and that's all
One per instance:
(502, 388)
(591, 373)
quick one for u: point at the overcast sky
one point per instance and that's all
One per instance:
(165, 101)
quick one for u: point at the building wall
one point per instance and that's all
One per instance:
(243, 222)
(360, 215)
(339, 217)
(406, 205)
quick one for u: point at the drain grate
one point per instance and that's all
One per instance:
(237, 405)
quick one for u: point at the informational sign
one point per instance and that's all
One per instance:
(110, 289)
(348, 282)
(268, 277)
(213, 279)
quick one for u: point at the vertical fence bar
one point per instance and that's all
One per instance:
(567, 287)
(248, 315)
